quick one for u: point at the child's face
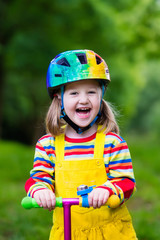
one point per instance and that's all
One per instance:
(82, 101)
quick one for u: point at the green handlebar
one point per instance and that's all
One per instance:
(28, 202)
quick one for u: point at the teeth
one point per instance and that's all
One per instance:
(83, 109)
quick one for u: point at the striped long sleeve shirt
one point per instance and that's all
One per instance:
(117, 161)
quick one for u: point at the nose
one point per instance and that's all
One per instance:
(83, 98)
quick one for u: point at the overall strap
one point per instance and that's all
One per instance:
(59, 147)
(99, 144)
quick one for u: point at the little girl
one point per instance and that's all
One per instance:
(82, 147)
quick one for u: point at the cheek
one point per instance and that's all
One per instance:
(68, 104)
(97, 106)
(97, 102)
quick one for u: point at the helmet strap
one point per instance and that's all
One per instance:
(78, 129)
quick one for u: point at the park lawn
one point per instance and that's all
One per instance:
(145, 204)
(16, 223)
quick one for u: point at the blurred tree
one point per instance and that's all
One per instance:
(26, 57)
(125, 34)
(147, 116)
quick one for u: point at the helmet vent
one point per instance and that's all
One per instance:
(58, 75)
(98, 60)
(82, 58)
(63, 62)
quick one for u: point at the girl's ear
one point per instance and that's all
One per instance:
(57, 95)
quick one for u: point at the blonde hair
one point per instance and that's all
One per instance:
(107, 118)
(55, 124)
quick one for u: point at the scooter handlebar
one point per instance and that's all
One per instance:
(113, 201)
(28, 202)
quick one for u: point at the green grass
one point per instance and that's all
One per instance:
(145, 204)
(17, 223)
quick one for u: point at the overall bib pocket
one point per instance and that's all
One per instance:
(71, 174)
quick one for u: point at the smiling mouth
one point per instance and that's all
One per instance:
(83, 110)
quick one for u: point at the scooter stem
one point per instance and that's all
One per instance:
(67, 203)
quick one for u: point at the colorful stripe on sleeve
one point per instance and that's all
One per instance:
(42, 175)
(119, 168)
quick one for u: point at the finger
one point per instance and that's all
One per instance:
(105, 198)
(44, 200)
(47, 200)
(95, 201)
(38, 199)
(90, 199)
(100, 200)
(52, 201)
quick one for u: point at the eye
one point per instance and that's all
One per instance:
(73, 93)
(92, 92)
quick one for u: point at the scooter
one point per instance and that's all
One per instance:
(66, 203)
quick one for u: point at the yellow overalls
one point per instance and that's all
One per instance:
(87, 223)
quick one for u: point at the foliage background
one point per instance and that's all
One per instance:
(127, 35)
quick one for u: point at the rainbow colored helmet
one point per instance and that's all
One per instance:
(76, 65)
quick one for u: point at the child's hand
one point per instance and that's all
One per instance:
(45, 198)
(98, 197)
